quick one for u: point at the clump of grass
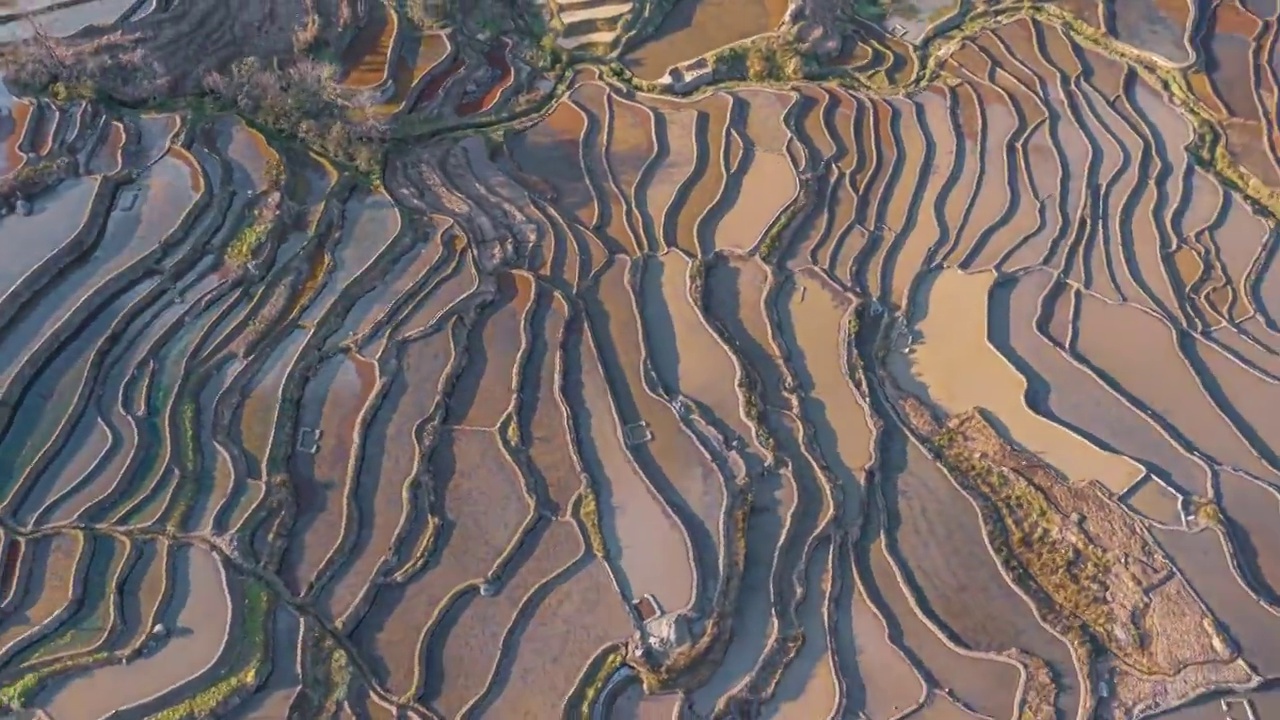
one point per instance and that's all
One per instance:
(187, 434)
(34, 178)
(609, 664)
(274, 173)
(339, 675)
(511, 430)
(1040, 695)
(589, 512)
(65, 92)
(1206, 512)
(751, 409)
(22, 691)
(547, 54)
(246, 243)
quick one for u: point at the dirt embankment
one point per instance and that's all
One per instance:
(1091, 570)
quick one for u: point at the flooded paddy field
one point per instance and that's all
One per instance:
(939, 385)
(695, 27)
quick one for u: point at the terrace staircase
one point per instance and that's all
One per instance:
(591, 22)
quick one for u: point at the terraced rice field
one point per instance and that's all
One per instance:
(695, 27)
(941, 384)
(589, 23)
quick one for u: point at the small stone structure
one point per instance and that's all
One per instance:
(666, 633)
(637, 433)
(1238, 709)
(647, 607)
(309, 440)
(688, 76)
(682, 406)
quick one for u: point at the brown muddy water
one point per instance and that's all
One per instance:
(957, 368)
(460, 663)
(879, 679)
(1157, 26)
(498, 62)
(685, 353)
(570, 618)
(365, 59)
(13, 118)
(694, 27)
(652, 551)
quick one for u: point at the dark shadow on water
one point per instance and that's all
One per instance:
(558, 163)
(657, 325)
(435, 669)
(794, 679)
(725, 306)
(862, 560)
(467, 386)
(702, 544)
(1247, 554)
(855, 688)
(581, 437)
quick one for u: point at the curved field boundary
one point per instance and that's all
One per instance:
(125, 555)
(437, 73)
(134, 497)
(121, 278)
(385, 85)
(21, 293)
(191, 687)
(37, 467)
(35, 130)
(28, 639)
(313, 353)
(586, 340)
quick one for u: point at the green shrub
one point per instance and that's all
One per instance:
(589, 513)
(608, 666)
(246, 242)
